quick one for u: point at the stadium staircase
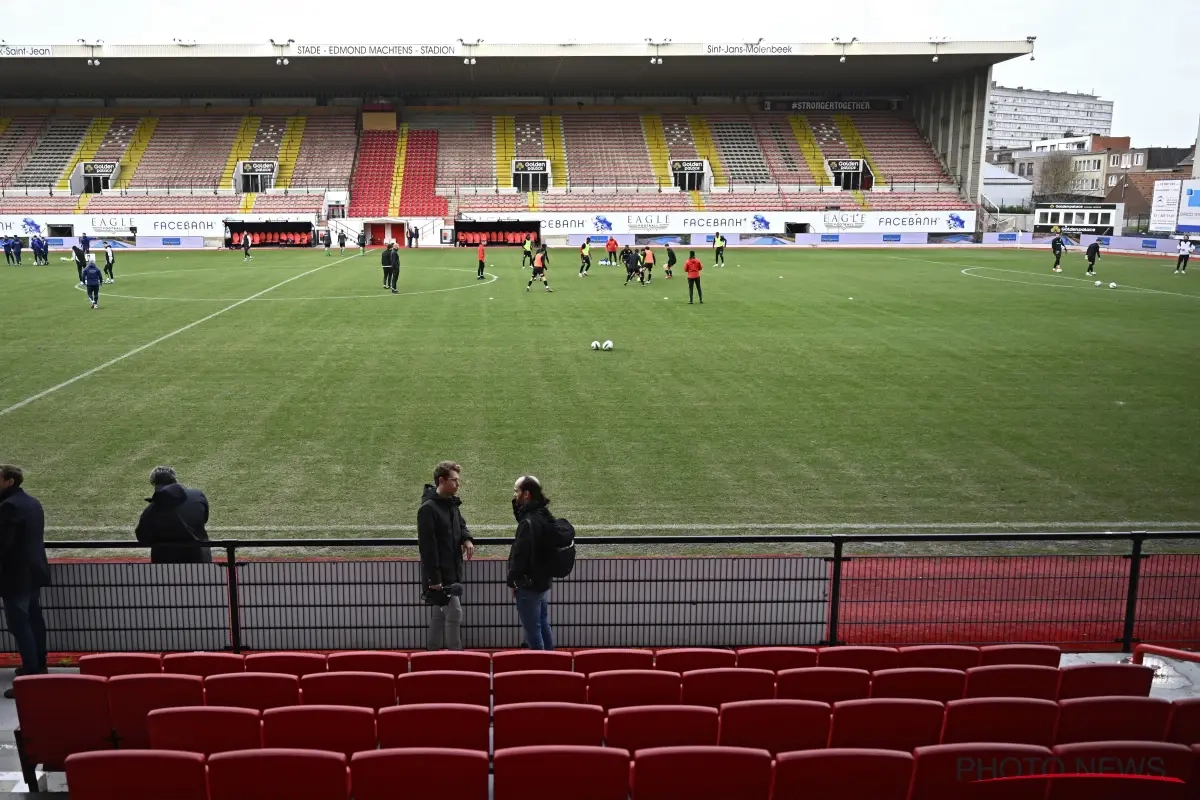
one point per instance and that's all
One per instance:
(92, 140)
(267, 138)
(856, 145)
(697, 201)
(810, 149)
(289, 150)
(136, 150)
(243, 145)
(859, 199)
(374, 174)
(397, 186)
(247, 205)
(82, 204)
(660, 153)
(504, 147)
(705, 148)
(117, 139)
(533, 201)
(554, 148)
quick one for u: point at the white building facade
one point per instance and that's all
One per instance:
(1020, 117)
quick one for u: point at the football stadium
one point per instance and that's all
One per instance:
(854, 493)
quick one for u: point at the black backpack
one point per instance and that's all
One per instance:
(558, 549)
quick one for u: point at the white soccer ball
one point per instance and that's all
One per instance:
(1098, 283)
(608, 345)
(595, 345)
(1112, 286)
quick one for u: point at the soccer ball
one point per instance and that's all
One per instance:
(607, 344)
(1098, 283)
(1112, 286)
(596, 345)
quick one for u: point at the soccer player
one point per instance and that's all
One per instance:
(692, 267)
(648, 264)
(86, 242)
(91, 277)
(718, 251)
(16, 247)
(670, 262)
(246, 248)
(109, 260)
(341, 243)
(1185, 252)
(540, 262)
(632, 269)
(327, 240)
(395, 268)
(585, 257)
(80, 261)
(386, 261)
(479, 253)
(526, 252)
(1093, 252)
(1057, 245)
(8, 254)
(362, 243)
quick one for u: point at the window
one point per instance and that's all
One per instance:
(1105, 218)
(1114, 160)
(1043, 217)
(1093, 218)
(1054, 217)
(1126, 160)
(1112, 180)
(1138, 159)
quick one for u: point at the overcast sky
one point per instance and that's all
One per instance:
(1133, 54)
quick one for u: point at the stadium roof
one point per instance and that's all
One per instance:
(332, 70)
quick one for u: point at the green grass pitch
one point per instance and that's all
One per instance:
(815, 386)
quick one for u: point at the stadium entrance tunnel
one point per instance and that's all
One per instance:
(269, 234)
(499, 232)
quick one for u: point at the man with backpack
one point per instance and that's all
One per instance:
(544, 549)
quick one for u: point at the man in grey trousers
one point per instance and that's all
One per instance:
(444, 539)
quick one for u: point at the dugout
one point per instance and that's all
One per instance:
(498, 232)
(270, 234)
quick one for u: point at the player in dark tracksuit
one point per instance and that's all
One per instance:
(395, 268)
(386, 260)
(327, 240)
(632, 268)
(109, 261)
(86, 242)
(16, 247)
(1057, 245)
(670, 262)
(8, 255)
(362, 243)
(246, 248)
(80, 261)
(1093, 252)
(92, 277)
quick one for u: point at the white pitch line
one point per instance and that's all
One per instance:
(699, 526)
(148, 345)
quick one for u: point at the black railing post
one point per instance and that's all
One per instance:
(835, 593)
(235, 617)
(1135, 571)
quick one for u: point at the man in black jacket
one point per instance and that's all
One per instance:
(386, 261)
(443, 538)
(526, 576)
(174, 516)
(24, 569)
(395, 268)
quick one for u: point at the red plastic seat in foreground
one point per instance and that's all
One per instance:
(947, 771)
(529, 660)
(108, 665)
(701, 773)
(580, 773)
(60, 715)
(1100, 719)
(823, 684)
(589, 661)
(1104, 680)
(372, 690)
(257, 690)
(777, 726)
(1019, 680)
(1184, 727)
(203, 664)
(536, 724)
(420, 773)
(633, 687)
(338, 729)
(851, 657)
(446, 660)
(539, 686)
(942, 685)
(642, 727)
(713, 687)
(843, 773)
(886, 724)
(1113, 787)
(1131, 757)
(1017, 720)
(298, 664)
(368, 661)
(777, 659)
(691, 658)
(132, 697)
(205, 729)
(939, 656)
(452, 725)
(470, 688)
(257, 774)
(137, 775)
(1040, 655)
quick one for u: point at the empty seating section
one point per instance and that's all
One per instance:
(493, 202)
(828, 137)
(372, 187)
(925, 201)
(116, 139)
(299, 203)
(33, 204)
(465, 147)
(781, 150)
(16, 145)
(738, 149)
(898, 148)
(267, 139)
(187, 151)
(527, 130)
(326, 156)
(53, 153)
(420, 176)
(650, 201)
(606, 150)
(680, 141)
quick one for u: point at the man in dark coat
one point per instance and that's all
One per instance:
(443, 538)
(386, 261)
(395, 268)
(174, 515)
(24, 569)
(527, 576)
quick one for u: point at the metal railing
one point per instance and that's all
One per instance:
(1111, 591)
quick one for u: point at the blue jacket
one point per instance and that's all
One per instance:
(23, 564)
(91, 275)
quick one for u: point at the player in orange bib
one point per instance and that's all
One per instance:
(480, 254)
(648, 264)
(541, 260)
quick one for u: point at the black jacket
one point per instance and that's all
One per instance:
(386, 258)
(175, 514)
(524, 559)
(23, 564)
(395, 258)
(441, 531)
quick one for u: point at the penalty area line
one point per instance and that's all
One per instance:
(111, 362)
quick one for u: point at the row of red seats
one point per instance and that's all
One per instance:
(273, 237)
(496, 237)
(672, 773)
(679, 660)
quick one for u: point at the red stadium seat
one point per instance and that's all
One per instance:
(1018, 720)
(661, 726)
(453, 725)
(256, 774)
(137, 775)
(842, 773)
(947, 771)
(777, 659)
(298, 664)
(1104, 680)
(536, 724)
(701, 773)
(777, 726)
(868, 658)
(939, 656)
(453, 661)
(203, 664)
(529, 660)
(539, 686)
(368, 661)
(1012, 681)
(687, 659)
(60, 715)
(257, 690)
(470, 688)
(372, 690)
(205, 729)
(579, 773)
(823, 684)
(420, 773)
(713, 687)
(108, 665)
(886, 724)
(1114, 787)
(338, 729)
(1038, 655)
(589, 661)
(942, 685)
(132, 697)
(1103, 719)
(633, 687)
(1128, 757)
(1184, 727)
